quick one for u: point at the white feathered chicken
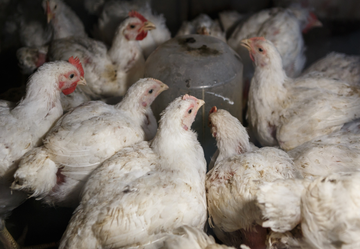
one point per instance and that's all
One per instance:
(82, 139)
(62, 22)
(333, 153)
(339, 66)
(108, 72)
(330, 212)
(289, 111)
(24, 125)
(114, 12)
(203, 25)
(185, 237)
(232, 184)
(142, 193)
(283, 28)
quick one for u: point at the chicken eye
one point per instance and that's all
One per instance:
(151, 91)
(71, 76)
(132, 26)
(260, 49)
(190, 111)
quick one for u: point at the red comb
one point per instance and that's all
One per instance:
(76, 62)
(187, 96)
(48, 10)
(133, 13)
(213, 109)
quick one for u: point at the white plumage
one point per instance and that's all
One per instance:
(24, 125)
(142, 193)
(293, 111)
(186, 237)
(82, 139)
(330, 212)
(114, 12)
(280, 26)
(232, 184)
(339, 66)
(108, 72)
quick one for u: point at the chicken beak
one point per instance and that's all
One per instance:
(246, 43)
(82, 81)
(163, 87)
(148, 26)
(49, 14)
(317, 23)
(200, 103)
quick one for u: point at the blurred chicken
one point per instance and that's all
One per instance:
(339, 66)
(82, 139)
(290, 112)
(283, 28)
(203, 25)
(63, 22)
(114, 12)
(110, 72)
(138, 196)
(24, 125)
(185, 237)
(232, 184)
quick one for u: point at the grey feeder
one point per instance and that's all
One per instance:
(202, 66)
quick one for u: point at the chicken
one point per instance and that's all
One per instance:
(108, 72)
(24, 125)
(114, 12)
(203, 25)
(138, 196)
(329, 209)
(63, 23)
(339, 66)
(283, 28)
(333, 153)
(336, 152)
(290, 112)
(185, 237)
(232, 184)
(82, 139)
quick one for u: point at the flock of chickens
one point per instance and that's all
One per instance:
(139, 184)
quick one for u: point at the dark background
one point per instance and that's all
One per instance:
(340, 32)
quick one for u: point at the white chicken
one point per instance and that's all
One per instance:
(23, 125)
(333, 153)
(203, 25)
(330, 212)
(138, 196)
(339, 66)
(82, 139)
(114, 12)
(232, 184)
(283, 28)
(185, 237)
(110, 72)
(63, 22)
(290, 112)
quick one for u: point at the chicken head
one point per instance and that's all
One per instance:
(189, 114)
(51, 7)
(137, 26)
(71, 78)
(261, 50)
